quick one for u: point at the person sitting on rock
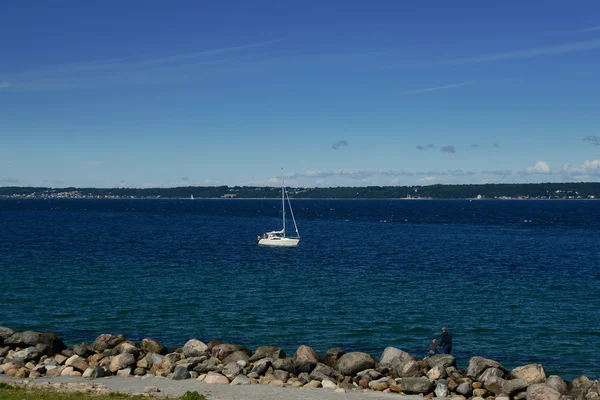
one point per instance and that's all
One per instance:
(433, 348)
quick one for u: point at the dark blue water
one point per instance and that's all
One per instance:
(516, 281)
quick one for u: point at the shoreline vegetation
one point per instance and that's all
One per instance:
(35, 355)
(528, 191)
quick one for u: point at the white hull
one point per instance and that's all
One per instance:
(279, 242)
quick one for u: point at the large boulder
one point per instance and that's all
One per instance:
(540, 391)
(490, 373)
(149, 345)
(216, 378)
(239, 355)
(444, 360)
(416, 385)
(267, 352)
(121, 361)
(107, 341)
(331, 356)
(194, 348)
(580, 387)
(232, 370)
(5, 333)
(479, 364)
(78, 363)
(392, 356)
(409, 369)
(221, 351)
(241, 380)
(514, 386)
(180, 373)
(305, 359)
(94, 372)
(51, 343)
(556, 383)
(28, 354)
(532, 373)
(261, 366)
(351, 363)
(285, 364)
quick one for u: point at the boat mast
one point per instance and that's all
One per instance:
(283, 200)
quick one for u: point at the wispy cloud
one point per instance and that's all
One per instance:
(142, 69)
(495, 146)
(475, 146)
(499, 172)
(8, 181)
(4, 85)
(339, 144)
(436, 88)
(426, 147)
(448, 149)
(594, 140)
(532, 52)
(93, 163)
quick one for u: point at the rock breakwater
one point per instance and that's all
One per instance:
(43, 354)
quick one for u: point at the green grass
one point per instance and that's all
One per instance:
(10, 392)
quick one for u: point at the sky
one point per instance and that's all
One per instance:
(326, 93)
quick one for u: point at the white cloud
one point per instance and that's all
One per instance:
(427, 179)
(586, 170)
(4, 85)
(540, 167)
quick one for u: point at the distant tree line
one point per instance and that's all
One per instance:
(488, 191)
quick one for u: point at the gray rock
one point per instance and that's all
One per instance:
(231, 370)
(170, 361)
(94, 372)
(149, 345)
(479, 364)
(304, 377)
(305, 359)
(271, 352)
(121, 361)
(556, 383)
(180, 373)
(437, 372)
(107, 341)
(241, 380)
(351, 363)
(444, 360)
(124, 372)
(285, 364)
(194, 348)
(369, 374)
(28, 354)
(489, 373)
(532, 373)
(4, 351)
(281, 375)
(540, 391)
(83, 350)
(464, 389)
(514, 386)
(237, 356)
(441, 388)
(331, 356)
(155, 358)
(580, 386)
(322, 370)
(392, 356)
(221, 351)
(261, 366)
(416, 385)
(494, 384)
(51, 342)
(5, 333)
(410, 369)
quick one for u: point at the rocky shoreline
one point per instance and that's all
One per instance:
(43, 354)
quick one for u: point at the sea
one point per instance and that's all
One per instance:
(515, 281)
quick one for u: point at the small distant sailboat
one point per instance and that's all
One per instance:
(278, 238)
(191, 197)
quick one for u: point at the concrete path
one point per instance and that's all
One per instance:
(214, 391)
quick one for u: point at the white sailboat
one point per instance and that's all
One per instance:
(278, 238)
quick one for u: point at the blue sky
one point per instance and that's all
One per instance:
(338, 93)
